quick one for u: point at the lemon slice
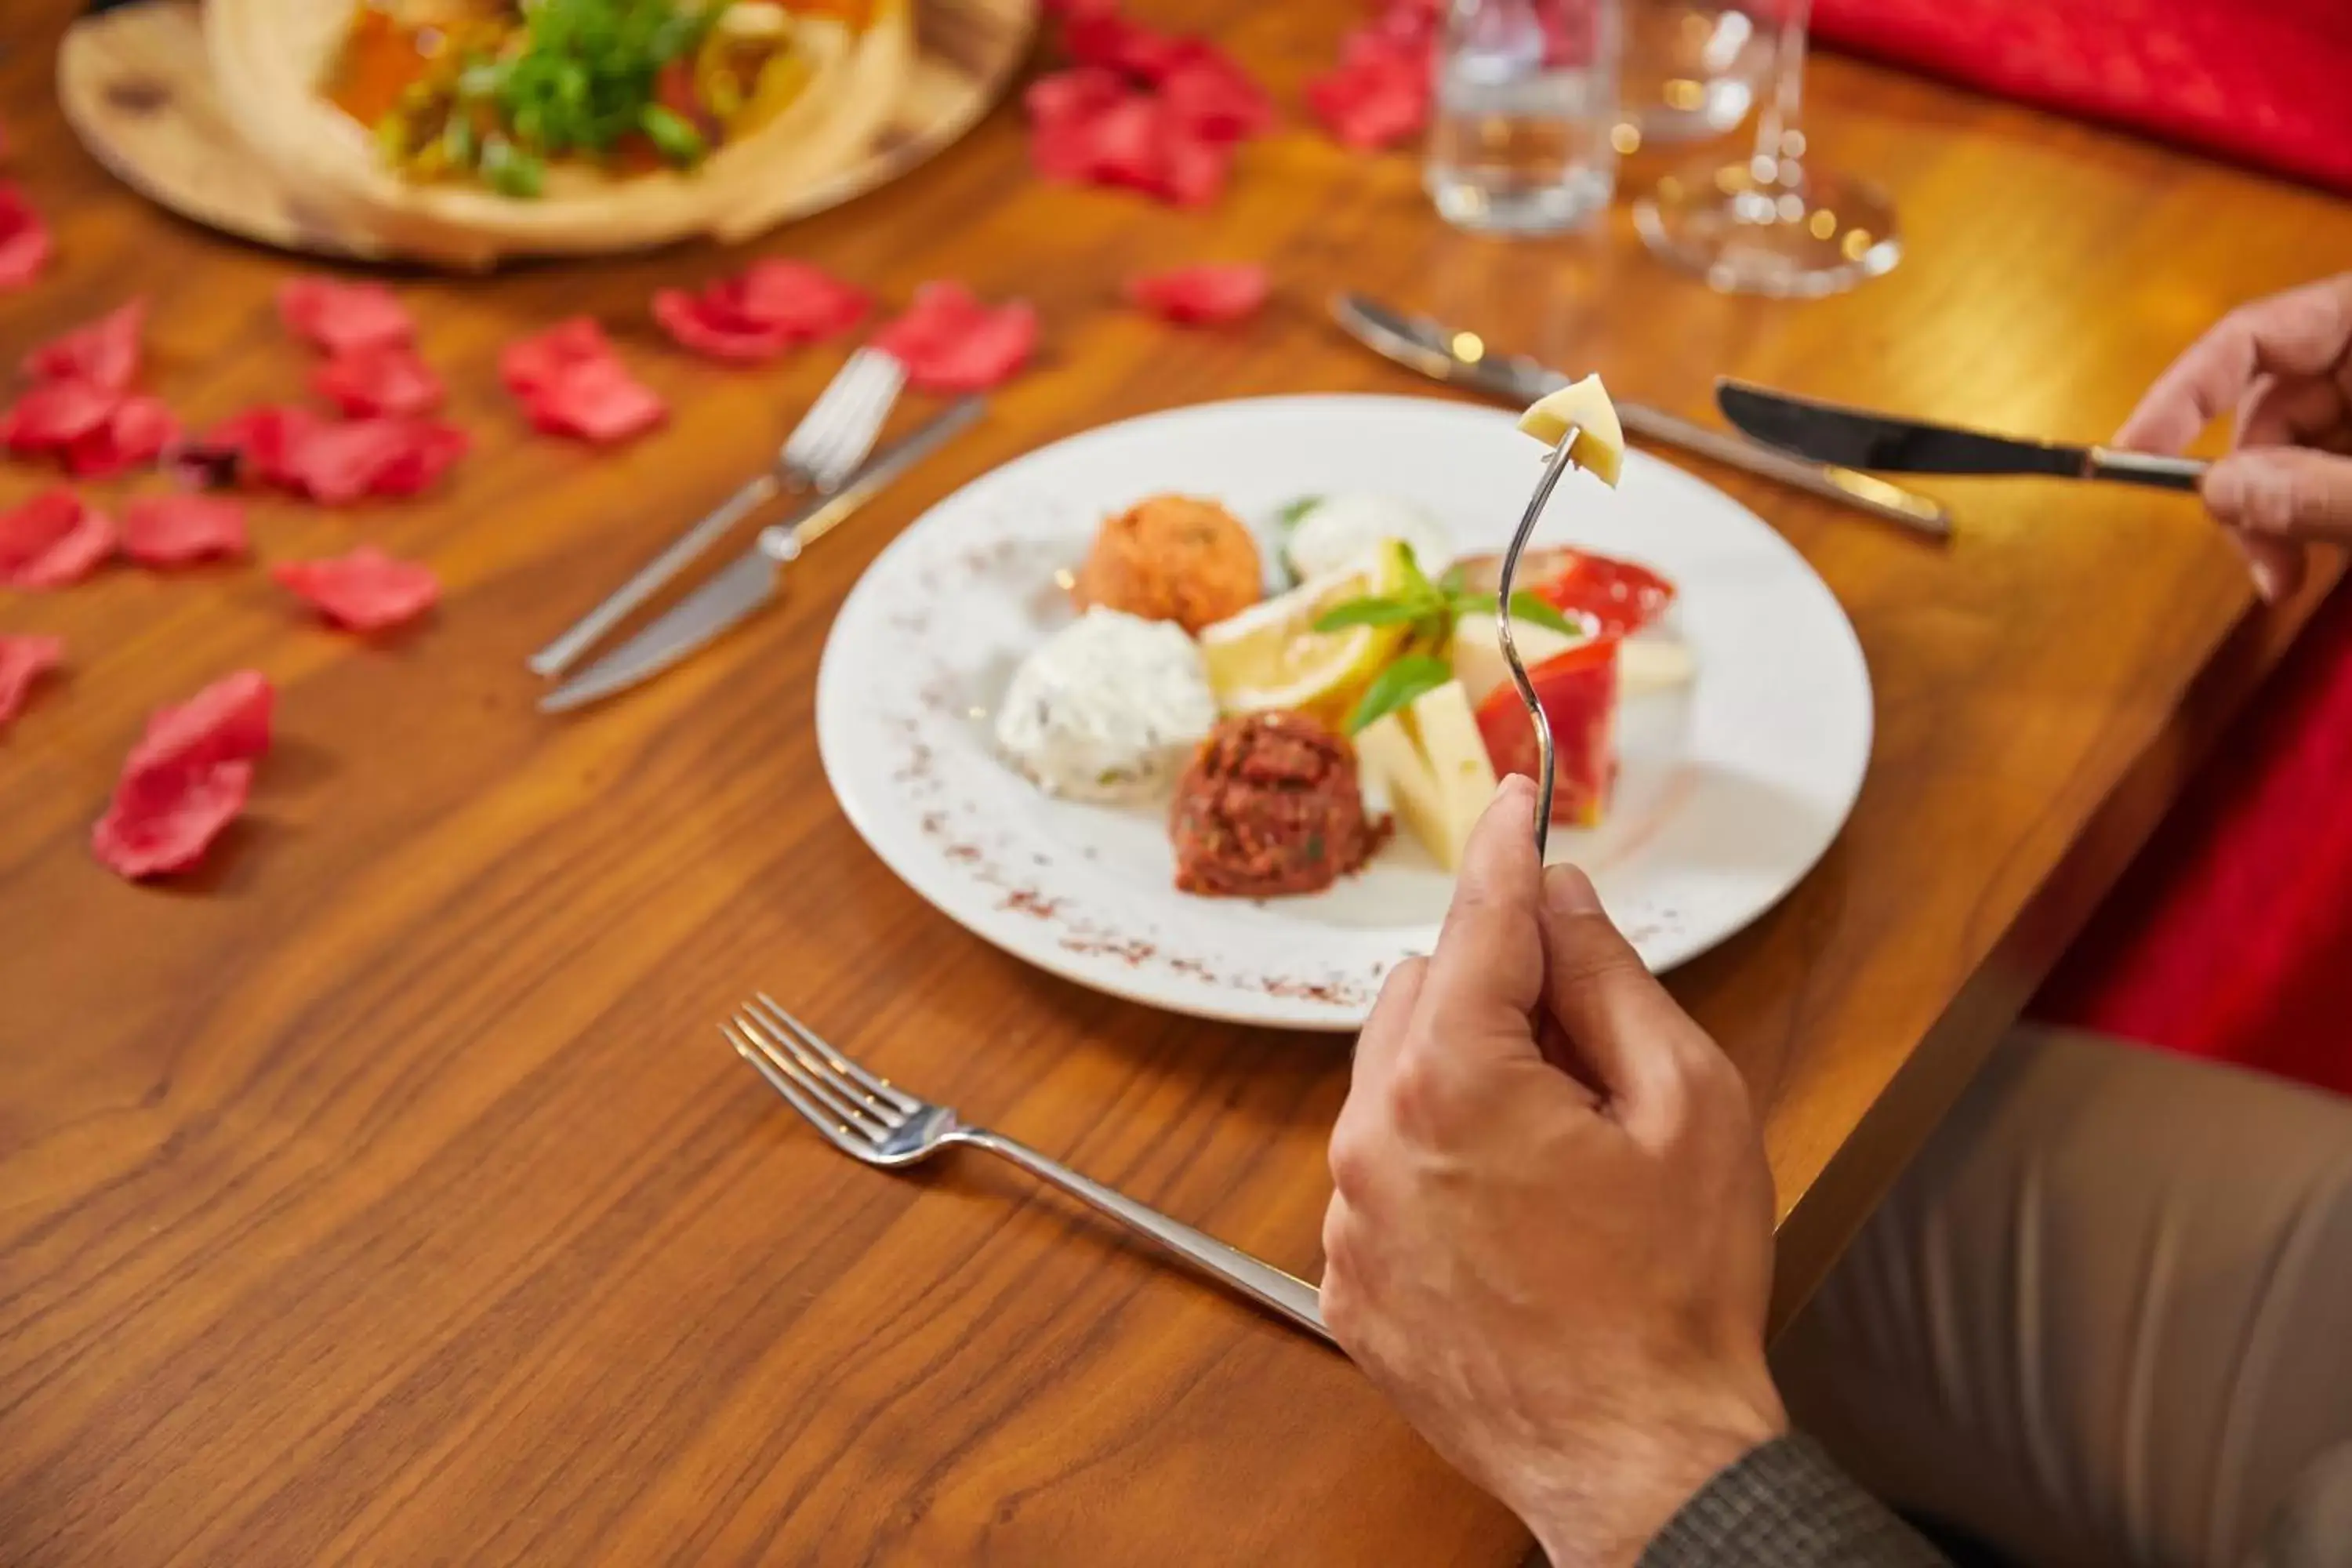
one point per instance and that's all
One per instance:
(1600, 443)
(1271, 657)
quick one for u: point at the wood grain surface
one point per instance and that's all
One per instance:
(385, 1194)
(132, 81)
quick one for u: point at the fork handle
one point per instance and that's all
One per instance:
(1261, 1282)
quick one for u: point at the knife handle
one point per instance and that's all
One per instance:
(1865, 492)
(2144, 469)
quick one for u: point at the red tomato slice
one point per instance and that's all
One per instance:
(1623, 596)
(1577, 689)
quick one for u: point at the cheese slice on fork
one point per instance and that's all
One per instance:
(1584, 405)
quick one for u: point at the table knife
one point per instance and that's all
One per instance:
(1463, 359)
(749, 582)
(1830, 433)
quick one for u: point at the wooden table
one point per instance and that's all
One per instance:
(384, 1193)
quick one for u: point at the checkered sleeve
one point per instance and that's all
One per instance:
(1785, 1505)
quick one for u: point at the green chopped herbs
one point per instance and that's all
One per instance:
(1430, 610)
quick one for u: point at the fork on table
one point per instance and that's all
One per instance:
(872, 1120)
(823, 450)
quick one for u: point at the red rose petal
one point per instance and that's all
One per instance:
(1117, 43)
(134, 434)
(426, 450)
(772, 305)
(264, 441)
(24, 660)
(341, 317)
(172, 530)
(53, 413)
(598, 401)
(103, 353)
(164, 822)
(950, 341)
(529, 364)
(1208, 92)
(1378, 95)
(23, 239)
(53, 539)
(364, 590)
(1204, 295)
(386, 379)
(228, 721)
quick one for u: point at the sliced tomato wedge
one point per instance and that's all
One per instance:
(1577, 689)
(1622, 597)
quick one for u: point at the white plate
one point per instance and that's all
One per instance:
(1730, 790)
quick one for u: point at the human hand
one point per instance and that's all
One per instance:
(1550, 1238)
(2284, 364)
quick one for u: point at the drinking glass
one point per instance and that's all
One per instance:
(1524, 102)
(1774, 224)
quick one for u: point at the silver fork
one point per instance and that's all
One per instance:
(832, 438)
(868, 1118)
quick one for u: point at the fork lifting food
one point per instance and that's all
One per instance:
(1580, 424)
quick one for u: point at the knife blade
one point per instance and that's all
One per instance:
(1463, 359)
(1834, 433)
(750, 580)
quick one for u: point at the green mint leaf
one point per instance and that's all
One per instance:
(1527, 606)
(1455, 581)
(1294, 512)
(1373, 612)
(1397, 685)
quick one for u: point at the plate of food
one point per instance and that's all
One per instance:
(1196, 709)
(463, 132)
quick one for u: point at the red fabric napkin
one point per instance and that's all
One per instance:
(2229, 937)
(2267, 82)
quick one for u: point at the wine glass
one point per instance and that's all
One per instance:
(1772, 224)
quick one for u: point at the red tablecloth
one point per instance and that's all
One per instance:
(2266, 82)
(2232, 936)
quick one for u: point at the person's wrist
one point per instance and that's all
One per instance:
(1611, 1513)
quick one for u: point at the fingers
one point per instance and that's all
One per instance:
(1384, 1031)
(2276, 565)
(2284, 492)
(2296, 412)
(2301, 332)
(1487, 973)
(1634, 1039)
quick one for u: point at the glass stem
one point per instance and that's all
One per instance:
(1780, 136)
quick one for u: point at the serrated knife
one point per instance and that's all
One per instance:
(1463, 359)
(1832, 434)
(750, 580)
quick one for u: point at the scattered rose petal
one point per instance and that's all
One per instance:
(23, 239)
(341, 317)
(385, 379)
(160, 823)
(1379, 93)
(336, 463)
(24, 660)
(1205, 295)
(53, 539)
(529, 366)
(228, 721)
(598, 401)
(1105, 39)
(186, 779)
(172, 530)
(570, 383)
(1207, 91)
(364, 590)
(261, 442)
(134, 435)
(1125, 137)
(52, 414)
(103, 353)
(950, 341)
(772, 305)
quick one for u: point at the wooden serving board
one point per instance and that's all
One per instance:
(133, 83)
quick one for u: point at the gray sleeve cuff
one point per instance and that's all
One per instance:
(1785, 1505)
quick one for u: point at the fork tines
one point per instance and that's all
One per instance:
(834, 1092)
(840, 426)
